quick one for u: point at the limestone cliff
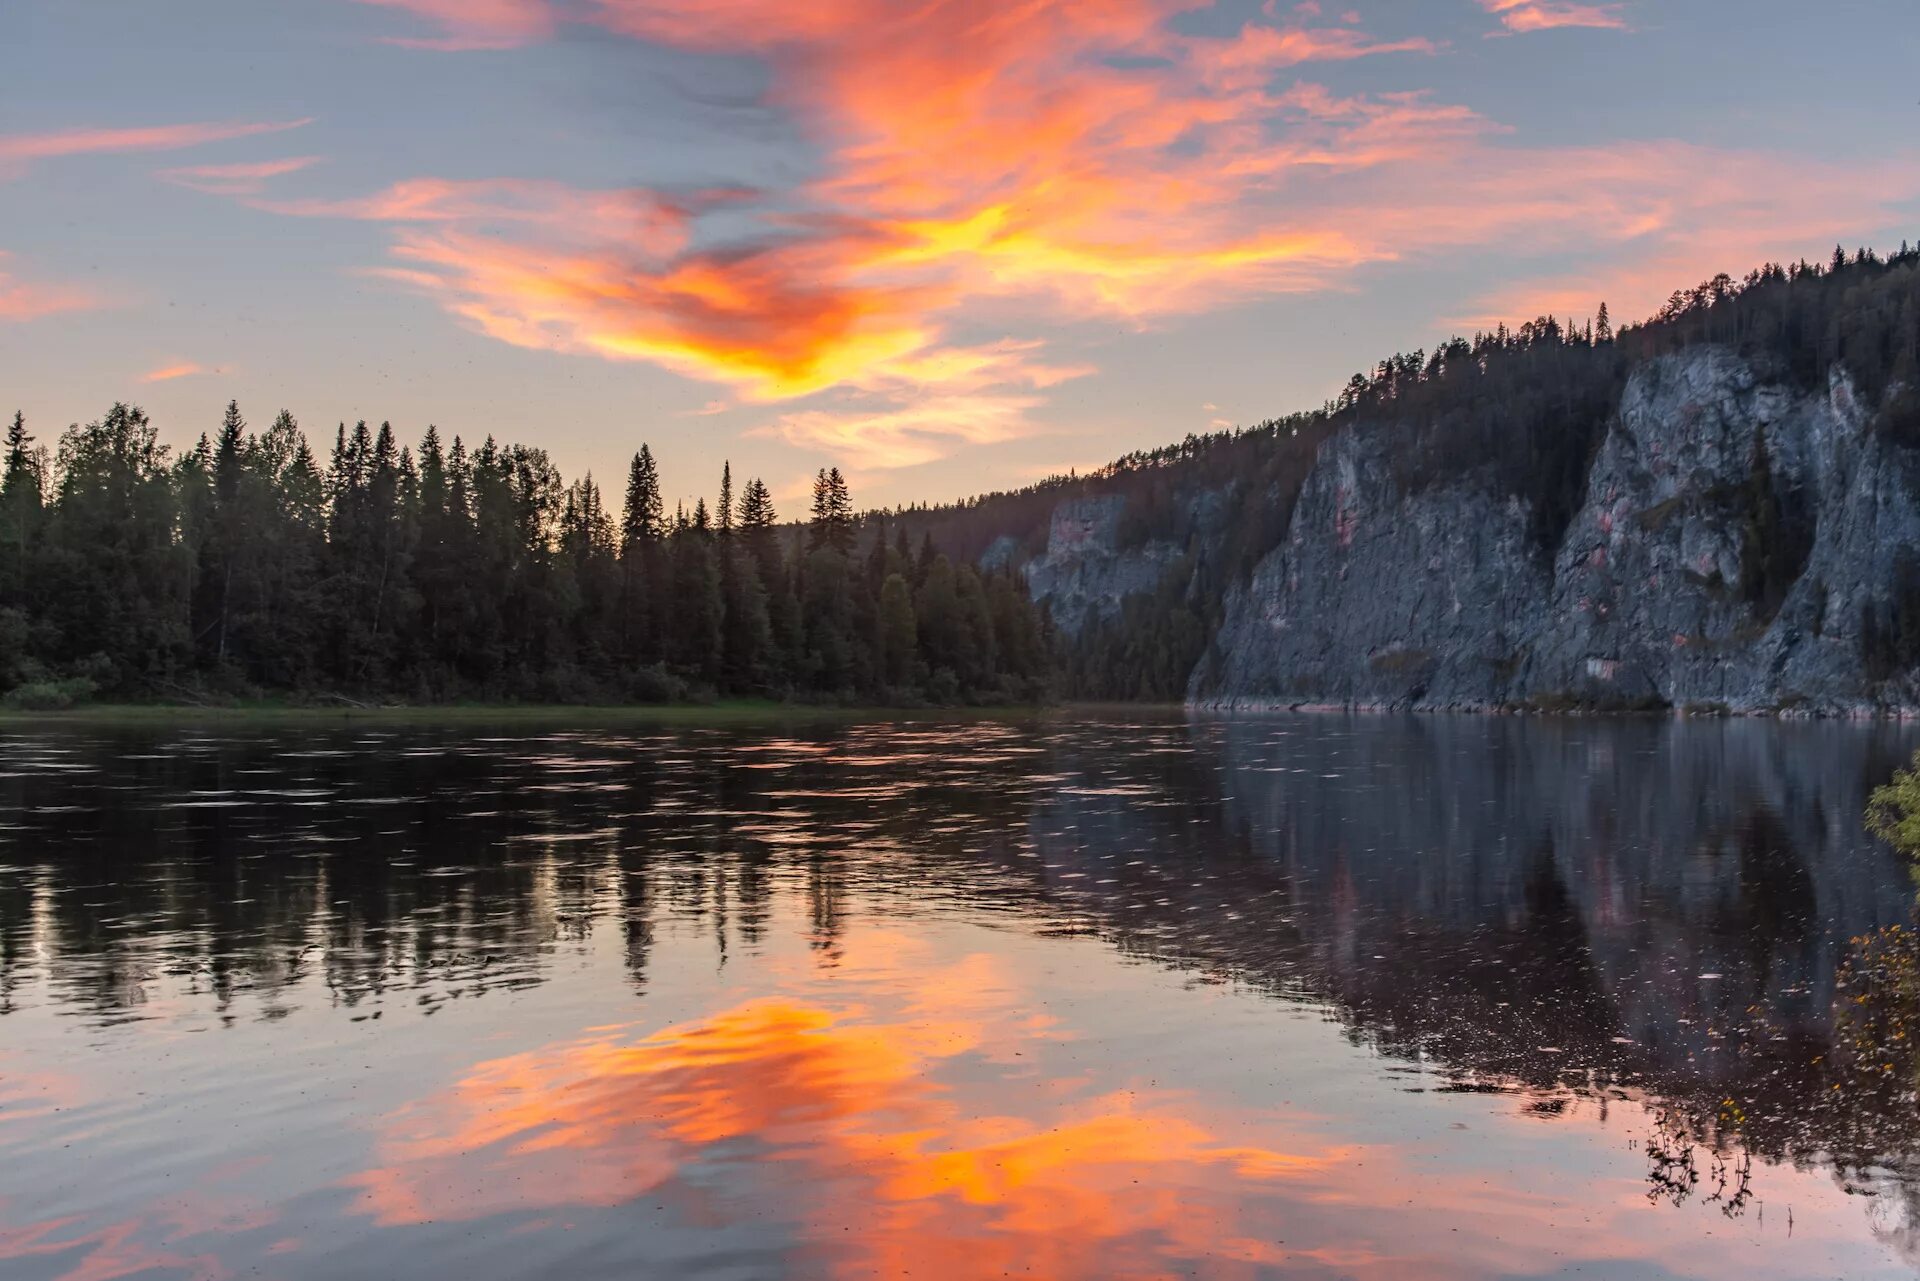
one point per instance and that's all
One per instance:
(1741, 545)
(1087, 571)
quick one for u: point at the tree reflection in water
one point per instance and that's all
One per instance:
(1688, 917)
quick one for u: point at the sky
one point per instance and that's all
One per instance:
(948, 247)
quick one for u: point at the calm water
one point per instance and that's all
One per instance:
(1317, 997)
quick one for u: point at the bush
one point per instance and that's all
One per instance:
(49, 696)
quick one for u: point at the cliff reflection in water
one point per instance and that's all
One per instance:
(1687, 916)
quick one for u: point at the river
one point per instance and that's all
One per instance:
(1095, 995)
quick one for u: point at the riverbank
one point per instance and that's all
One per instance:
(732, 711)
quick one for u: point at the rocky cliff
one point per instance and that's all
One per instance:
(1090, 567)
(1742, 544)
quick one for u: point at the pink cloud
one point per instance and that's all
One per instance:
(167, 373)
(245, 179)
(1545, 15)
(1671, 214)
(907, 435)
(1094, 165)
(476, 24)
(16, 150)
(22, 300)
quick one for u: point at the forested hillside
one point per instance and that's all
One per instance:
(243, 567)
(1522, 411)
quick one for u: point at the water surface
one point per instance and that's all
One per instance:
(1124, 997)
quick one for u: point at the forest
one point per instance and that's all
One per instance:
(1522, 410)
(243, 567)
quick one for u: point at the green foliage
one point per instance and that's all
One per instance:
(1893, 812)
(243, 565)
(1890, 626)
(49, 696)
(1146, 652)
(241, 568)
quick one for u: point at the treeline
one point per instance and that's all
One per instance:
(434, 574)
(243, 567)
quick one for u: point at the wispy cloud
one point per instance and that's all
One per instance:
(1545, 15)
(244, 179)
(22, 300)
(475, 24)
(17, 150)
(1053, 164)
(923, 430)
(167, 373)
(1067, 180)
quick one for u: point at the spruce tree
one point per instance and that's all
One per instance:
(22, 500)
(641, 577)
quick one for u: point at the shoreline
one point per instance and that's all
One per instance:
(731, 712)
(1666, 711)
(755, 711)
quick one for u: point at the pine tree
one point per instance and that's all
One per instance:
(641, 577)
(758, 536)
(757, 527)
(227, 551)
(22, 501)
(642, 521)
(899, 633)
(831, 525)
(695, 627)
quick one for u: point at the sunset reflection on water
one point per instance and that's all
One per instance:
(1087, 1002)
(865, 1126)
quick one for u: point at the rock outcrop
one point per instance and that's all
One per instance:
(1741, 546)
(1379, 596)
(1086, 573)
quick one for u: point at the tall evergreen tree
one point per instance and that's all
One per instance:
(641, 578)
(22, 502)
(831, 525)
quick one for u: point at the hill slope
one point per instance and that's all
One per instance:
(1718, 507)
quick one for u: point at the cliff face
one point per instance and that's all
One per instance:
(1646, 599)
(1380, 596)
(1741, 544)
(1088, 570)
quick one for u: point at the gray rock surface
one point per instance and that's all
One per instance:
(1380, 597)
(1440, 598)
(1085, 574)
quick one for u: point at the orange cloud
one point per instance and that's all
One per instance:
(846, 1114)
(1064, 179)
(245, 179)
(1060, 163)
(16, 150)
(167, 373)
(99, 1254)
(28, 300)
(1544, 15)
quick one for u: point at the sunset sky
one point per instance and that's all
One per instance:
(949, 247)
